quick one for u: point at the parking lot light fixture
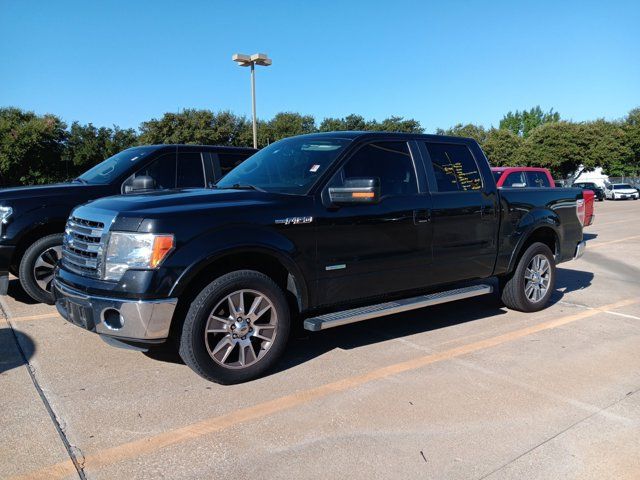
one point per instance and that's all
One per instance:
(243, 60)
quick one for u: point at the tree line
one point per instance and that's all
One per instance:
(37, 149)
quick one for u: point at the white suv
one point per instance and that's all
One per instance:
(618, 191)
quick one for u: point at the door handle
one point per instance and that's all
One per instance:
(421, 216)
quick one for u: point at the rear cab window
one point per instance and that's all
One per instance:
(454, 167)
(537, 180)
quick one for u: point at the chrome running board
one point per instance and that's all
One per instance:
(336, 319)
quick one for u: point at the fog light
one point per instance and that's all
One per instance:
(113, 319)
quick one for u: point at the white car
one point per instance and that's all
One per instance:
(618, 191)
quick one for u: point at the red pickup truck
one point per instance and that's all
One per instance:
(536, 177)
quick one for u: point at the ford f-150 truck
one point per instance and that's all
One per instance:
(32, 219)
(322, 229)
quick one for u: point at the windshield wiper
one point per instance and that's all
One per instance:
(81, 180)
(244, 186)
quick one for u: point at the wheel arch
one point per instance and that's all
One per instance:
(32, 235)
(279, 267)
(545, 233)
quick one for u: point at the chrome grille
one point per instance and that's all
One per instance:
(83, 245)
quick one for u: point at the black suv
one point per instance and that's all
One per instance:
(33, 218)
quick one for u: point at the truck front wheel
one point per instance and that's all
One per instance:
(236, 328)
(530, 286)
(37, 266)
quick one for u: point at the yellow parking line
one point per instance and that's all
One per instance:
(215, 424)
(601, 244)
(34, 317)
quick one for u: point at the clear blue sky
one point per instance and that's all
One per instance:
(112, 62)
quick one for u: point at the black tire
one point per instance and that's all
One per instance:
(32, 281)
(513, 286)
(192, 345)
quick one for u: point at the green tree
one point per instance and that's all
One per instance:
(502, 148)
(30, 147)
(606, 145)
(631, 128)
(396, 124)
(87, 145)
(351, 122)
(522, 123)
(197, 127)
(358, 123)
(557, 146)
(477, 132)
(287, 124)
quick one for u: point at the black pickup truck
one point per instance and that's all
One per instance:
(32, 219)
(322, 229)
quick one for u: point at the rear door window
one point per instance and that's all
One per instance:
(454, 167)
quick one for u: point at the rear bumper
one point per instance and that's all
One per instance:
(579, 250)
(140, 321)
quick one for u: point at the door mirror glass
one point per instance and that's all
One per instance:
(356, 190)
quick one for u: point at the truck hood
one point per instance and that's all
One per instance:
(178, 201)
(48, 191)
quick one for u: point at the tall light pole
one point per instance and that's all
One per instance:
(251, 61)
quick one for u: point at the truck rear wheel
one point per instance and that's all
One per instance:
(236, 328)
(530, 286)
(37, 265)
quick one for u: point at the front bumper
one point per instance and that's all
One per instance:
(6, 254)
(139, 321)
(579, 249)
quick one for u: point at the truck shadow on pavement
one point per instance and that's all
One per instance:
(10, 355)
(16, 292)
(305, 346)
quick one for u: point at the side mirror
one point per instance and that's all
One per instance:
(356, 190)
(143, 183)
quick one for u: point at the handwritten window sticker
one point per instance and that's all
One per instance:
(314, 168)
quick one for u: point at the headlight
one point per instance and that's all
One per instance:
(143, 251)
(5, 213)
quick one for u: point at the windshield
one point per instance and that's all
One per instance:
(291, 165)
(110, 169)
(623, 186)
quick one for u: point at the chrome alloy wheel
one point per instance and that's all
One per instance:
(537, 278)
(241, 329)
(44, 265)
